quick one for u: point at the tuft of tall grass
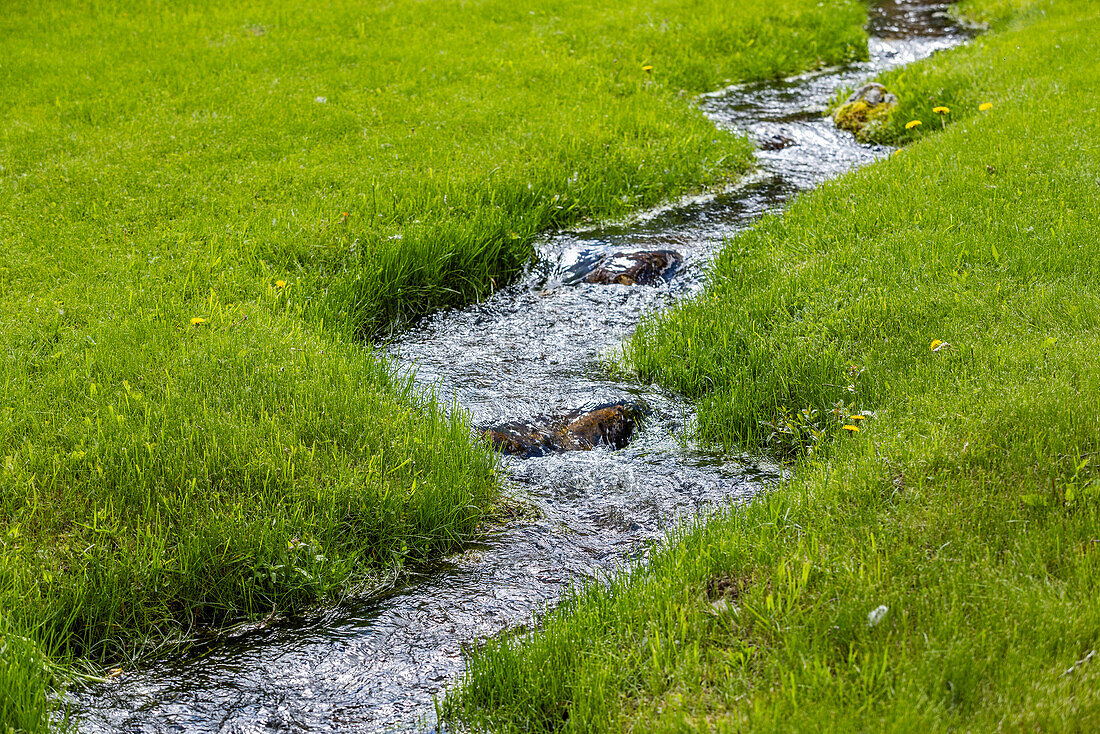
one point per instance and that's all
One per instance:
(25, 682)
(248, 469)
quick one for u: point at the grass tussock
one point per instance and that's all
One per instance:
(248, 468)
(938, 568)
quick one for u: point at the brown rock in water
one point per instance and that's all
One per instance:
(611, 426)
(635, 268)
(608, 425)
(520, 439)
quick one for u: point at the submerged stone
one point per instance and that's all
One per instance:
(635, 268)
(519, 439)
(865, 110)
(776, 142)
(610, 426)
(607, 425)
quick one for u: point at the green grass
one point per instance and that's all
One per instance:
(302, 179)
(968, 504)
(451, 133)
(24, 679)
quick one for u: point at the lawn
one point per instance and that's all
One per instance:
(210, 213)
(919, 338)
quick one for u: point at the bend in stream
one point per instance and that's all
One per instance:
(531, 349)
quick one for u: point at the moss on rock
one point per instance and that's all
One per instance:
(866, 111)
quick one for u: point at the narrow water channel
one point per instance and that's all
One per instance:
(532, 349)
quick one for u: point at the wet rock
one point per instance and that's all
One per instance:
(776, 142)
(607, 425)
(865, 110)
(635, 268)
(610, 426)
(519, 439)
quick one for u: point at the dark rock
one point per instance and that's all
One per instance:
(635, 268)
(606, 425)
(610, 426)
(520, 439)
(776, 142)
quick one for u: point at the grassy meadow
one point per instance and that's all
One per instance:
(921, 335)
(209, 213)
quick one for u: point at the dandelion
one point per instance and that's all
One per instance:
(198, 321)
(280, 284)
(937, 345)
(942, 112)
(985, 106)
(849, 427)
(912, 124)
(876, 615)
(857, 417)
(647, 69)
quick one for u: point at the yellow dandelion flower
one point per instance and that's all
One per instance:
(857, 417)
(985, 106)
(647, 69)
(853, 429)
(912, 124)
(280, 284)
(935, 344)
(941, 110)
(198, 321)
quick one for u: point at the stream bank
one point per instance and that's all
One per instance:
(533, 349)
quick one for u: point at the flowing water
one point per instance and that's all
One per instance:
(532, 349)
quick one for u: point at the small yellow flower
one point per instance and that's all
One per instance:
(280, 284)
(857, 417)
(198, 321)
(985, 106)
(912, 124)
(647, 69)
(853, 429)
(935, 343)
(941, 110)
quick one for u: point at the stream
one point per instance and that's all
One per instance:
(533, 348)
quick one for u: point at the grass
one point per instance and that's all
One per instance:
(25, 679)
(209, 212)
(937, 570)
